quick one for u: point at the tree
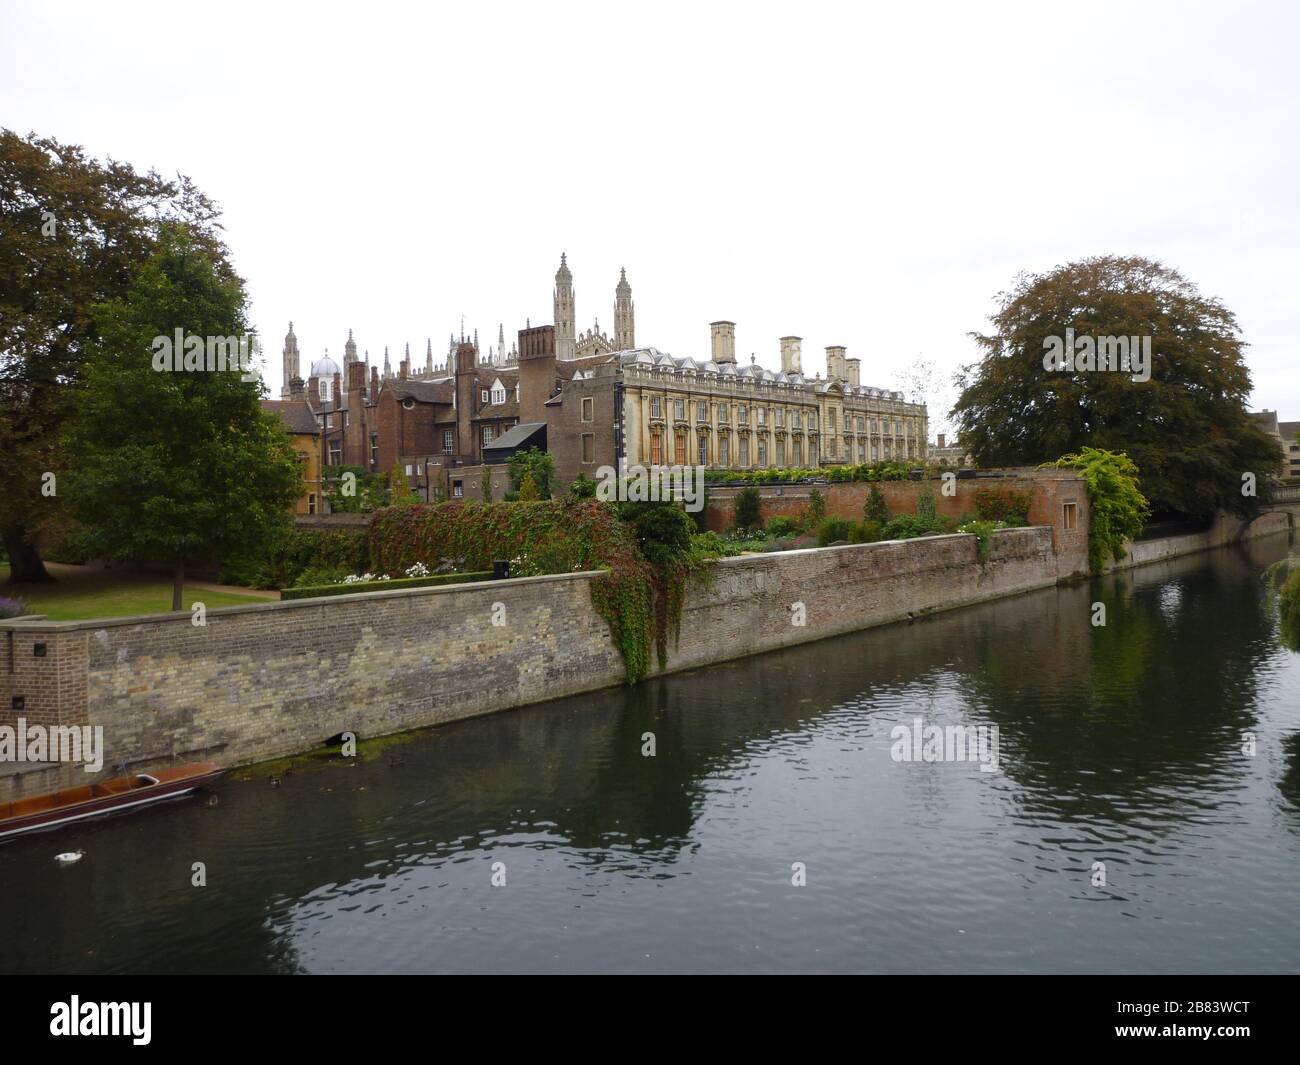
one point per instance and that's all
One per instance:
(528, 492)
(875, 509)
(747, 513)
(541, 464)
(1185, 428)
(175, 465)
(72, 233)
(1116, 506)
(399, 491)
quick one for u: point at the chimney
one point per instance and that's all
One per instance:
(855, 372)
(296, 388)
(791, 359)
(536, 371)
(374, 381)
(941, 440)
(401, 369)
(356, 376)
(724, 341)
(337, 393)
(835, 363)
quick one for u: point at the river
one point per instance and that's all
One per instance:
(1124, 753)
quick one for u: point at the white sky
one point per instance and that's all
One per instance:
(867, 177)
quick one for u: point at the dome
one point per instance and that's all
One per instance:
(325, 367)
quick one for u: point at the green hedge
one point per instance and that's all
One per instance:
(278, 562)
(384, 586)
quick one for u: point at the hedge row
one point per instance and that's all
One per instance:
(321, 590)
(279, 562)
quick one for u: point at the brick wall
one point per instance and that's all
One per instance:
(1049, 491)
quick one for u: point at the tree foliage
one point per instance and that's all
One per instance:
(540, 464)
(173, 466)
(72, 233)
(1186, 428)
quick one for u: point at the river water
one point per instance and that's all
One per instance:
(1123, 751)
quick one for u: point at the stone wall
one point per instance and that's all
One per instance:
(279, 678)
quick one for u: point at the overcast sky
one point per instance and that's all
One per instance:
(851, 175)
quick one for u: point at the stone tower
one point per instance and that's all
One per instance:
(624, 320)
(349, 352)
(565, 328)
(292, 362)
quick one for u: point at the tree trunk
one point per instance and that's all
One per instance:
(178, 585)
(25, 563)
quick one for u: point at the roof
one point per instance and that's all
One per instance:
(1267, 420)
(516, 437)
(435, 390)
(295, 414)
(1289, 430)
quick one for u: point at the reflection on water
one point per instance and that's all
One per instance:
(1123, 744)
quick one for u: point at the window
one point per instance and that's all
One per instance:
(742, 414)
(812, 452)
(702, 412)
(744, 451)
(679, 450)
(860, 425)
(760, 416)
(704, 451)
(336, 453)
(762, 449)
(408, 469)
(724, 450)
(780, 417)
(862, 451)
(311, 503)
(485, 396)
(487, 435)
(457, 489)
(830, 421)
(656, 448)
(374, 451)
(722, 412)
(448, 441)
(796, 451)
(498, 392)
(1069, 515)
(780, 451)
(656, 411)
(588, 447)
(588, 409)
(794, 419)
(679, 409)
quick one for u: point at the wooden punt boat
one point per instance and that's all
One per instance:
(58, 808)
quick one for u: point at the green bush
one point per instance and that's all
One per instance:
(1005, 505)
(1117, 507)
(583, 488)
(663, 530)
(321, 590)
(982, 531)
(280, 561)
(907, 527)
(816, 509)
(866, 532)
(747, 511)
(829, 530)
(783, 525)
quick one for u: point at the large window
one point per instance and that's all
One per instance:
(656, 448)
(724, 450)
(374, 451)
(762, 449)
(679, 409)
(656, 407)
(722, 412)
(701, 412)
(742, 414)
(487, 435)
(336, 452)
(704, 451)
(780, 450)
(744, 451)
(679, 450)
(796, 451)
(448, 441)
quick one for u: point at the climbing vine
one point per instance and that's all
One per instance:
(640, 599)
(1117, 508)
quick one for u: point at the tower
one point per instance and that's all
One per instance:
(349, 352)
(292, 362)
(624, 321)
(565, 334)
(428, 358)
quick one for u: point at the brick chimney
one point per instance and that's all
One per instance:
(941, 439)
(724, 341)
(835, 363)
(466, 399)
(536, 371)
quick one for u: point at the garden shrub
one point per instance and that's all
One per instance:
(1008, 506)
(747, 511)
(782, 525)
(281, 560)
(875, 509)
(1118, 509)
(829, 530)
(816, 509)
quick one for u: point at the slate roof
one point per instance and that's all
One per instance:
(296, 415)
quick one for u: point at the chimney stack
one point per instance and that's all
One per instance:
(835, 363)
(791, 357)
(855, 372)
(724, 341)
(941, 440)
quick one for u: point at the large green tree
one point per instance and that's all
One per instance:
(173, 466)
(1186, 428)
(72, 232)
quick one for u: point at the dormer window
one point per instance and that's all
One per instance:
(498, 392)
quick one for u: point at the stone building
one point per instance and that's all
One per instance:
(305, 437)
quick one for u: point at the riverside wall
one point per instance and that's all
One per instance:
(279, 678)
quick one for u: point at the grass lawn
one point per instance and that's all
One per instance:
(81, 592)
